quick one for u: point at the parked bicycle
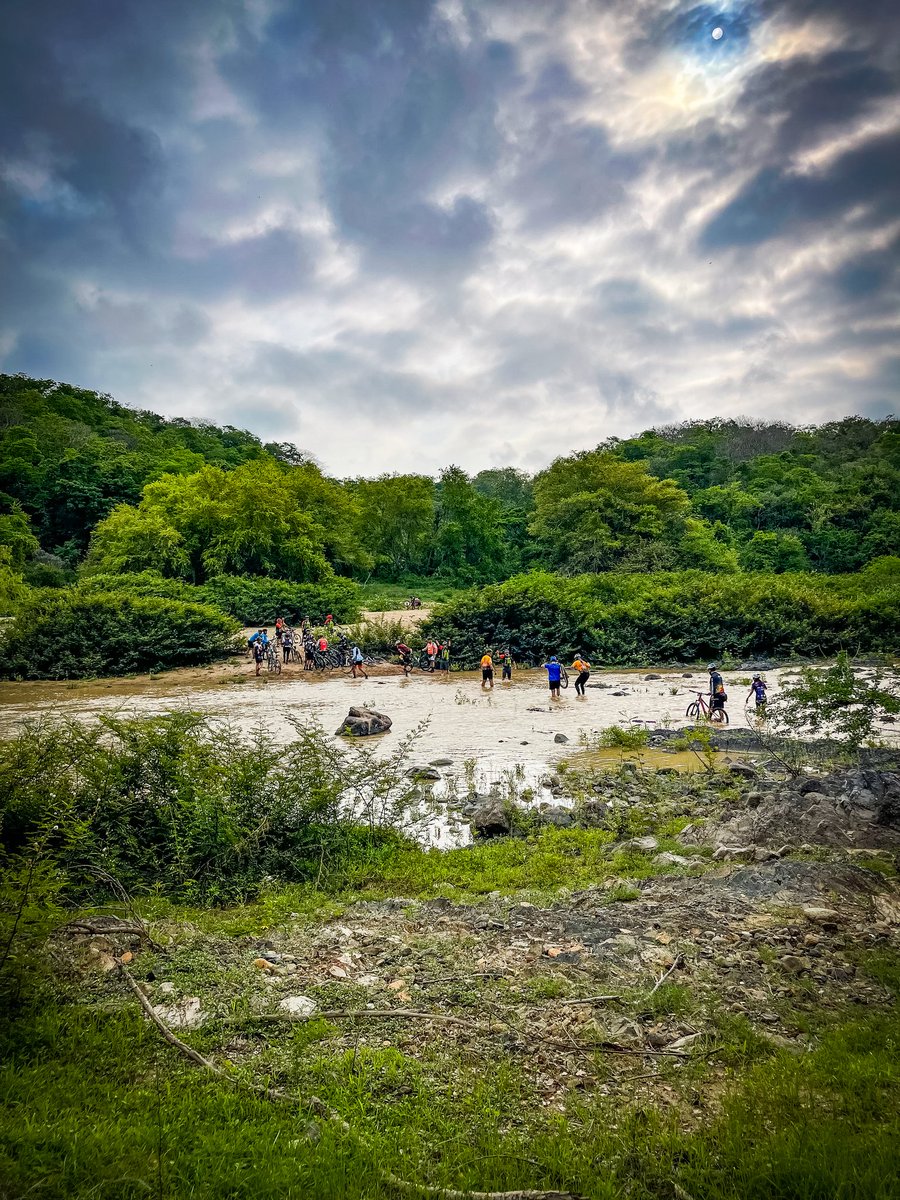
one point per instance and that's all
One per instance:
(699, 709)
(273, 662)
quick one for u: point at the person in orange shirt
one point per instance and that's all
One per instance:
(431, 650)
(487, 670)
(583, 667)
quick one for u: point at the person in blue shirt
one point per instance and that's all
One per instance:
(554, 673)
(259, 644)
(356, 662)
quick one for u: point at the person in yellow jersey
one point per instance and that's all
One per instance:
(487, 670)
(583, 667)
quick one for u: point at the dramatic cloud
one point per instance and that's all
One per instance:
(408, 232)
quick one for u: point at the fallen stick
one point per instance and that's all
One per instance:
(352, 1014)
(591, 1000)
(327, 1113)
(679, 961)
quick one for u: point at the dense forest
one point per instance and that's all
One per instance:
(732, 534)
(86, 482)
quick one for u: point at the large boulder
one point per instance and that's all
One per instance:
(490, 818)
(363, 722)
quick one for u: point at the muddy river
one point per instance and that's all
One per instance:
(514, 724)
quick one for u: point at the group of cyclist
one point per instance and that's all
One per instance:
(287, 643)
(434, 656)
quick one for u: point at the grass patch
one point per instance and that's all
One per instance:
(95, 1104)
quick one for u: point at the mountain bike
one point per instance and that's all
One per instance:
(273, 662)
(700, 709)
(564, 678)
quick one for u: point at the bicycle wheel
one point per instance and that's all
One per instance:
(564, 678)
(693, 710)
(719, 715)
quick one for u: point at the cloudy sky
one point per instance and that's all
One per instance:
(408, 232)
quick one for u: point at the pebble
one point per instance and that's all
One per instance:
(263, 964)
(298, 1006)
(821, 916)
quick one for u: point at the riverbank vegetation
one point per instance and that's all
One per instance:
(569, 1009)
(617, 618)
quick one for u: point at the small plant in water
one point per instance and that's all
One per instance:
(615, 737)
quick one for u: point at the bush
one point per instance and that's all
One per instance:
(187, 806)
(142, 583)
(71, 635)
(255, 600)
(675, 616)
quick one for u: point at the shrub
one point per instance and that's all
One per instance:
(257, 600)
(674, 616)
(71, 635)
(142, 583)
(189, 807)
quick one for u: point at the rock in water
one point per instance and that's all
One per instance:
(489, 819)
(363, 722)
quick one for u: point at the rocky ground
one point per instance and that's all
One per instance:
(759, 929)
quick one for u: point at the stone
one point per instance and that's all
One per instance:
(556, 814)
(298, 1006)
(423, 773)
(672, 860)
(490, 818)
(363, 722)
(722, 852)
(560, 739)
(821, 916)
(337, 972)
(185, 1014)
(641, 843)
(682, 1043)
(811, 785)
(263, 964)
(647, 678)
(687, 675)
(794, 964)
(742, 770)
(441, 762)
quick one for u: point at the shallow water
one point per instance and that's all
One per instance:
(512, 725)
(509, 729)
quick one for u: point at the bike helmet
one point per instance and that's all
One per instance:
(712, 667)
(553, 658)
(755, 677)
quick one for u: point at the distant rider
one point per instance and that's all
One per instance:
(759, 688)
(487, 670)
(356, 662)
(583, 667)
(717, 693)
(554, 675)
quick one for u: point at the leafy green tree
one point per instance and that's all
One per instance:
(15, 593)
(774, 552)
(396, 522)
(259, 519)
(701, 549)
(16, 538)
(468, 544)
(838, 702)
(591, 509)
